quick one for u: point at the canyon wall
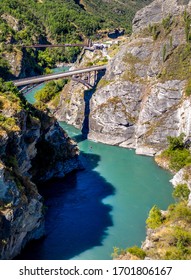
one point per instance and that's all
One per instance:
(33, 148)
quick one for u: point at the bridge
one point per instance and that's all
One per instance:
(72, 73)
(83, 45)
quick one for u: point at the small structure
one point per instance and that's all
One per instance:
(98, 46)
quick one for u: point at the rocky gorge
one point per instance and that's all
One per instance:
(141, 98)
(144, 96)
(138, 102)
(33, 148)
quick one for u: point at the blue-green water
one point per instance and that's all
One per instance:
(104, 205)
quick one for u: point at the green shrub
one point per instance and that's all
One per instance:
(188, 88)
(155, 32)
(8, 124)
(182, 238)
(116, 252)
(176, 142)
(181, 192)
(187, 22)
(175, 254)
(155, 218)
(179, 211)
(136, 251)
(179, 159)
(167, 22)
(177, 155)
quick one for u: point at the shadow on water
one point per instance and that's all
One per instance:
(79, 138)
(76, 219)
(87, 98)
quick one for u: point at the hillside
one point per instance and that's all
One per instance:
(114, 14)
(29, 22)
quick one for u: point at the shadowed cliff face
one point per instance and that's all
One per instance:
(24, 131)
(76, 214)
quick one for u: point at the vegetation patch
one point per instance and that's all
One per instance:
(103, 83)
(132, 253)
(176, 155)
(188, 88)
(155, 218)
(131, 59)
(50, 91)
(8, 124)
(178, 66)
(181, 192)
(136, 251)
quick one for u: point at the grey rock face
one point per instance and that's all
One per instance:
(183, 177)
(158, 10)
(135, 109)
(38, 151)
(72, 108)
(138, 104)
(114, 110)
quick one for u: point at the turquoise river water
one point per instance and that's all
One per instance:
(101, 207)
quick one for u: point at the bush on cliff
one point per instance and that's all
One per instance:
(177, 155)
(155, 218)
(136, 251)
(181, 192)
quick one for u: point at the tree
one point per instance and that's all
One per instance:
(181, 192)
(155, 218)
(176, 142)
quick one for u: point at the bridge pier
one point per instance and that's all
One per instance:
(88, 81)
(89, 78)
(95, 77)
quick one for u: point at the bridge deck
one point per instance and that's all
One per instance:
(53, 46)
(44, 78)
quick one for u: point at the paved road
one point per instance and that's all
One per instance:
(44, 78)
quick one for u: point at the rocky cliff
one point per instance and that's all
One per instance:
(145, 96)
(158, 10)
(141, 99)
(33, 148)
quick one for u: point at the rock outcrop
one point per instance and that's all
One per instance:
(158, 10)
(72, 105)
(33, 148)
(141, 99)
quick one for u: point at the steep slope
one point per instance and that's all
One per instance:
(143, 100)
(33, 148)
(59, 21)
(114, 14)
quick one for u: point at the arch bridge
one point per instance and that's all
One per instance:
(76, 75)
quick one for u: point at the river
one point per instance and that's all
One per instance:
(103, 206)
